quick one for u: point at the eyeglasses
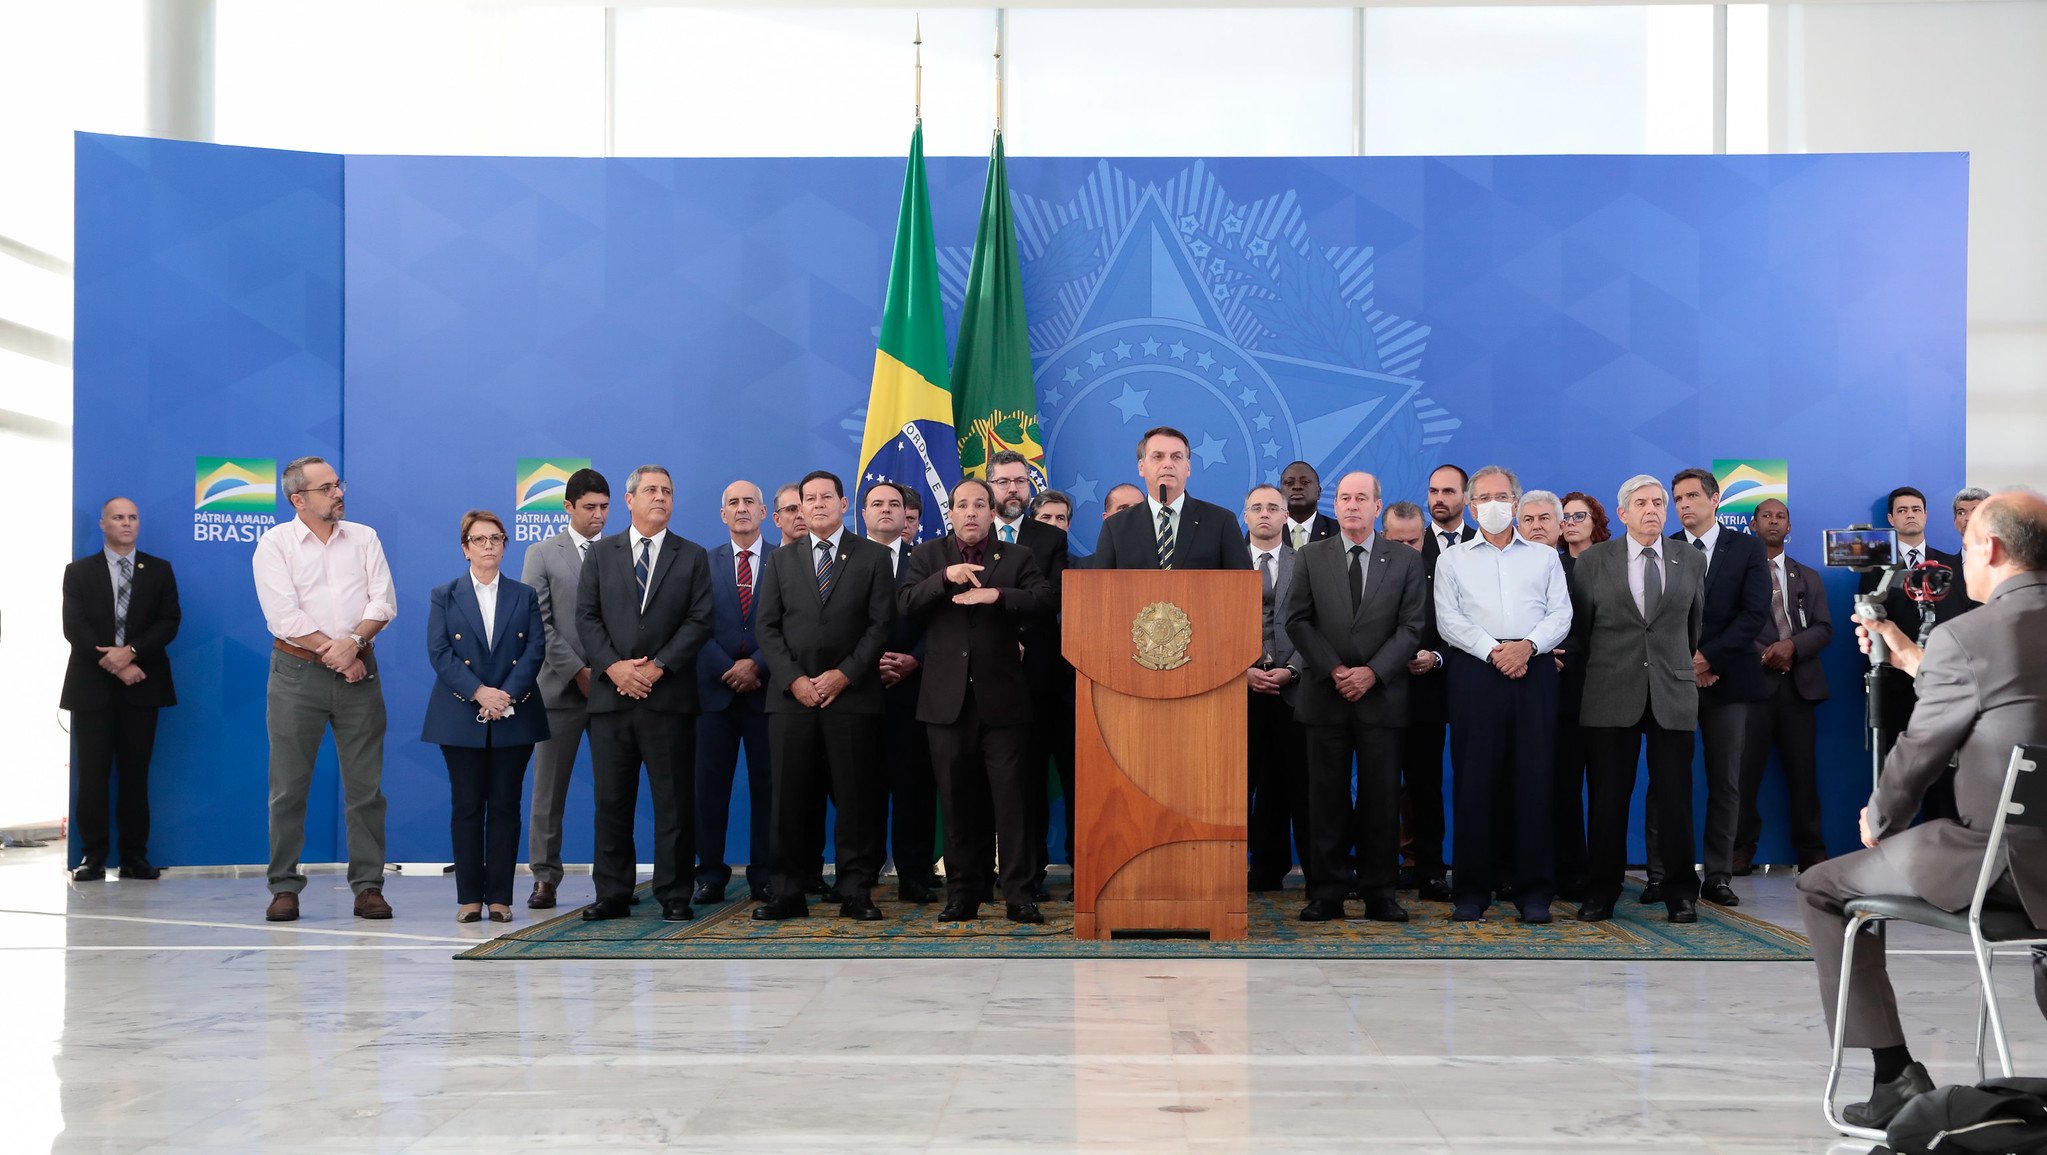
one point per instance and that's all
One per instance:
(787, 508)
(1581, 515)
(485, 539)
(331, 489)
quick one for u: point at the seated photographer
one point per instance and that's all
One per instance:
(1982, 689)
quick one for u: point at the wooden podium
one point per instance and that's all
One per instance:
(1159, 748)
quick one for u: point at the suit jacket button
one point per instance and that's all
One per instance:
(458, 637)
(465, 661)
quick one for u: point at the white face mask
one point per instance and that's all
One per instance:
(1494, 516)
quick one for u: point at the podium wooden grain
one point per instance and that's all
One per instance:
(1159, 781)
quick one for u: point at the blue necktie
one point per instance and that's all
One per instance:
(1009, 533)
(824, 570)
(643, 567)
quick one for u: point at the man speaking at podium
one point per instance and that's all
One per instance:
(1169, 529)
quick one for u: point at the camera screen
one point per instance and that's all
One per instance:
(1862, 548)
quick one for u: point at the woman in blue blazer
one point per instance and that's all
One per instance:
(486, 642)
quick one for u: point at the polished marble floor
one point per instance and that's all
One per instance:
(167, 1016)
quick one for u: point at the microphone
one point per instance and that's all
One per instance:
(1162, 494)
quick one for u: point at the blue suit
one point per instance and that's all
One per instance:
(486, 760)
(730, 720)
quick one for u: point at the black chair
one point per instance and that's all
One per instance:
(2024, 803)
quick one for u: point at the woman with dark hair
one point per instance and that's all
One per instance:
(485, 640)
(1584, 525)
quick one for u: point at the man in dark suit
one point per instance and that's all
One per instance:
(732, 680)
(1276, 761)
(1302, 488)
(553, 567)
(1794, 684)
(1050, 674)
(120, 612)
(643, 607)
(1636, 604)
(913, 793)
(973, 593)
(827, 601)
(1355, 613)
(1728, 668)
(1982, 682)
(1428, 722)
(1169, 529)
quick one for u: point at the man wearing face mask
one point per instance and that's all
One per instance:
(1502, 607)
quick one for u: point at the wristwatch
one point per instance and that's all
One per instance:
(358, 640)
(658, 663)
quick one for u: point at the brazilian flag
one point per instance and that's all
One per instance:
(909, 437)
(995, 402)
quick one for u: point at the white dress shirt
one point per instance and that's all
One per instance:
(1152, 501)
(754, 562)
(1635, 551)
(1485, 593)
(307, 586)
(1905, 552)
(583, 544)
(838, 548)
(1013, 528)
(487, 601)
(656, 541)
(1712, 539)
(1299, 533)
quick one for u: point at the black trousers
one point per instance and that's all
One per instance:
(1567, 802)
(620, 742)
(1277, 766)
(985, 773)
(1421, 771)
(1334, 819)
(912, 791)
(484, 788)
(1051, 736)
(720, 736)
(1723, 735)
(1786, 723)
(1502, 736)
(816, 751)
(1615, 751)
(114, 745)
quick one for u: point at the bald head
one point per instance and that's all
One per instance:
(2007, 536)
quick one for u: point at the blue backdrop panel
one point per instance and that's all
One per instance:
(1579, 318)
(208, 324)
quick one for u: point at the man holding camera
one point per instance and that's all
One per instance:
(1982, 686)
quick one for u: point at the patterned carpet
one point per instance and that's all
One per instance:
(725, 931)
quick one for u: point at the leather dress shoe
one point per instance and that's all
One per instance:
(1683, 910)
(1025, 912)
(911, 891)
(1385, 910)
(1435, 889)
(1467, 912)
(607, 908)
(542, 897)
(1651, 894)
(89, 871)
(370, 904)
(1595, 912)
(816, 884)
(1887, 1099)
(960, 910)
(466, 916)
(779, 908)
(1744, 865)
(677, 911)
(861, 909)
(705, 895)
(140, 870)
(1720, 894)
(284, 907)
(759, 892)
(1537, 914)
(1322, 910)
(636, 898)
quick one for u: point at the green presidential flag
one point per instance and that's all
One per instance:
(909, 437)
(995, 402)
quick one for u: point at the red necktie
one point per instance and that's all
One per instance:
(745, 584)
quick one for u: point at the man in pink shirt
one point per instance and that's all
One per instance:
(326, 591)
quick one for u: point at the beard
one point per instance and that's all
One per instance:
(1011, 510)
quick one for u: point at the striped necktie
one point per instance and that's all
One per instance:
(824, 570)
(642, 568)
(1165, 538)
(121, 591)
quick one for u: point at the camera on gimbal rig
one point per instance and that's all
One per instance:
(1868, 550)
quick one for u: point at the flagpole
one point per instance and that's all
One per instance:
(998, 72)
(917, 103)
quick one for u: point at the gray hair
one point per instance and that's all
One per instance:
(1513, 482)
(1636, 482)
(632, 483)
(1405, 510)
(1973, 493)
(295, 473)
(1539, 497)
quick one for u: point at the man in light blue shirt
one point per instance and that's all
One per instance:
(1501, 607)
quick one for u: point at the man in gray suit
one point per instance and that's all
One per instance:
(1982, 688)
(1355, 612)
(552, 567)
(1636, 609)
(1278, 774)
(1794, 684)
